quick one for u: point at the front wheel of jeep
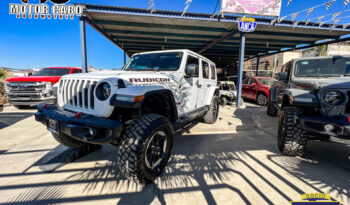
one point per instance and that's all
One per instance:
(223, 101)
(146, 147)
(292, 139)
(212, 115)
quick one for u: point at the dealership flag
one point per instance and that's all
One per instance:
(329, 4)
(309, 11)
(294, 16)
(319, 19)
(289, 2)
(346, 2)
(345, 25)
(336, 14)
(273, 22)
(295, 24)
(188, 2)
(335, 21)
(151, 6)
(321, 24)
(281, 19)
(307, 22)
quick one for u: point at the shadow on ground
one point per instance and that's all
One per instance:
(8, 119)
(244, 164)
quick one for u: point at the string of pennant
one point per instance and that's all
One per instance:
(328, 3)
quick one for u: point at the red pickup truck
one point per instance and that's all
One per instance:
(37, 88)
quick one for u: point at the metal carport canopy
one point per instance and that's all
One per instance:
(137, 30)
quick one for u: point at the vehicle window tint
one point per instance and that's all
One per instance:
(245, 81)
(76, 71)
(205, 69)
(193, 61)
(213, 73)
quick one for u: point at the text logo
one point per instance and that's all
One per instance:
(246, 24)
(59, 9)
(148, 80)
(316, 198)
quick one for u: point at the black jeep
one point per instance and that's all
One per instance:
(313, 97)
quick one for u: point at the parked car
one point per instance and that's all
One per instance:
(37, 88)
(228, 92)
(138, 109)
(257, 89)
(313, 97)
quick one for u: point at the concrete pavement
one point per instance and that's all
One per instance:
(234, 161)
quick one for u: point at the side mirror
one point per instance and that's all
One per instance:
(191, 70)
(30, 74)
(253, 84)
(282, 76)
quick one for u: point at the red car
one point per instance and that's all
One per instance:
(257, 88)
(36, 88)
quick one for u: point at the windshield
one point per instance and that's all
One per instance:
(52, 72)
(227, 87)
(335, 66)
(155, 61)
(266, 81)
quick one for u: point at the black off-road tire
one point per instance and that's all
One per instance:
(223, 101)
(132, 151)
(261, 99)
(68, 141)
(271, 109)
(291, 138)
(212, 115)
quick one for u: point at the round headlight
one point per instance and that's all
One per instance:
(333, 97)
(103, 91)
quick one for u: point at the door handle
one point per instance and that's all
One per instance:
(199, 85)
(208, 85)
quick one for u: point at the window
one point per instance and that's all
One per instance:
(52, 72)
(76, 71)
(245, 81)
(193, 61)
(205, 69)
(213, 73)
(251, 81)
(165, 61)
(335, 66)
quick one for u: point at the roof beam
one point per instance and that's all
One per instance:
(222, 38)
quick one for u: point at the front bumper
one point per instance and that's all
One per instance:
(86, 128)
(317, 125)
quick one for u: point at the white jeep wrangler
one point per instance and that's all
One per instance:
(139, 108)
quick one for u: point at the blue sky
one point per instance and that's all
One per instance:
(27, 43)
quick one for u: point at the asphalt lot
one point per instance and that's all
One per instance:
(234, 161)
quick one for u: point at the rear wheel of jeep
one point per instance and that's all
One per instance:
(271, 109)
(146, 147)
(223, 101)
(292, 139)
(261, 99)
(68, 141)
(212, 115)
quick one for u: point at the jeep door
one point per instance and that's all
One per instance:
(203, 84)
(283, 85)
(190, 86)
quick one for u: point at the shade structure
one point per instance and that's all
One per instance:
(139, 30)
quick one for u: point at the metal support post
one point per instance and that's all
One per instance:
(257, 66)
(274, 65)
(83, 44)
(240, 69)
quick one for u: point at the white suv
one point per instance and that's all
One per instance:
(138, 108)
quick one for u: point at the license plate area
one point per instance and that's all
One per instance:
(53, 125)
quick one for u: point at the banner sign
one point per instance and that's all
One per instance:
(246, 24)
(252, 7)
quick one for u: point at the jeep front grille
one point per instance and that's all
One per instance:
(78, 93)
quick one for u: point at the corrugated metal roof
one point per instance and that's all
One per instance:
(136, 30)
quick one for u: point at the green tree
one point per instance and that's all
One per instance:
(321, 50)
(3, 74)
